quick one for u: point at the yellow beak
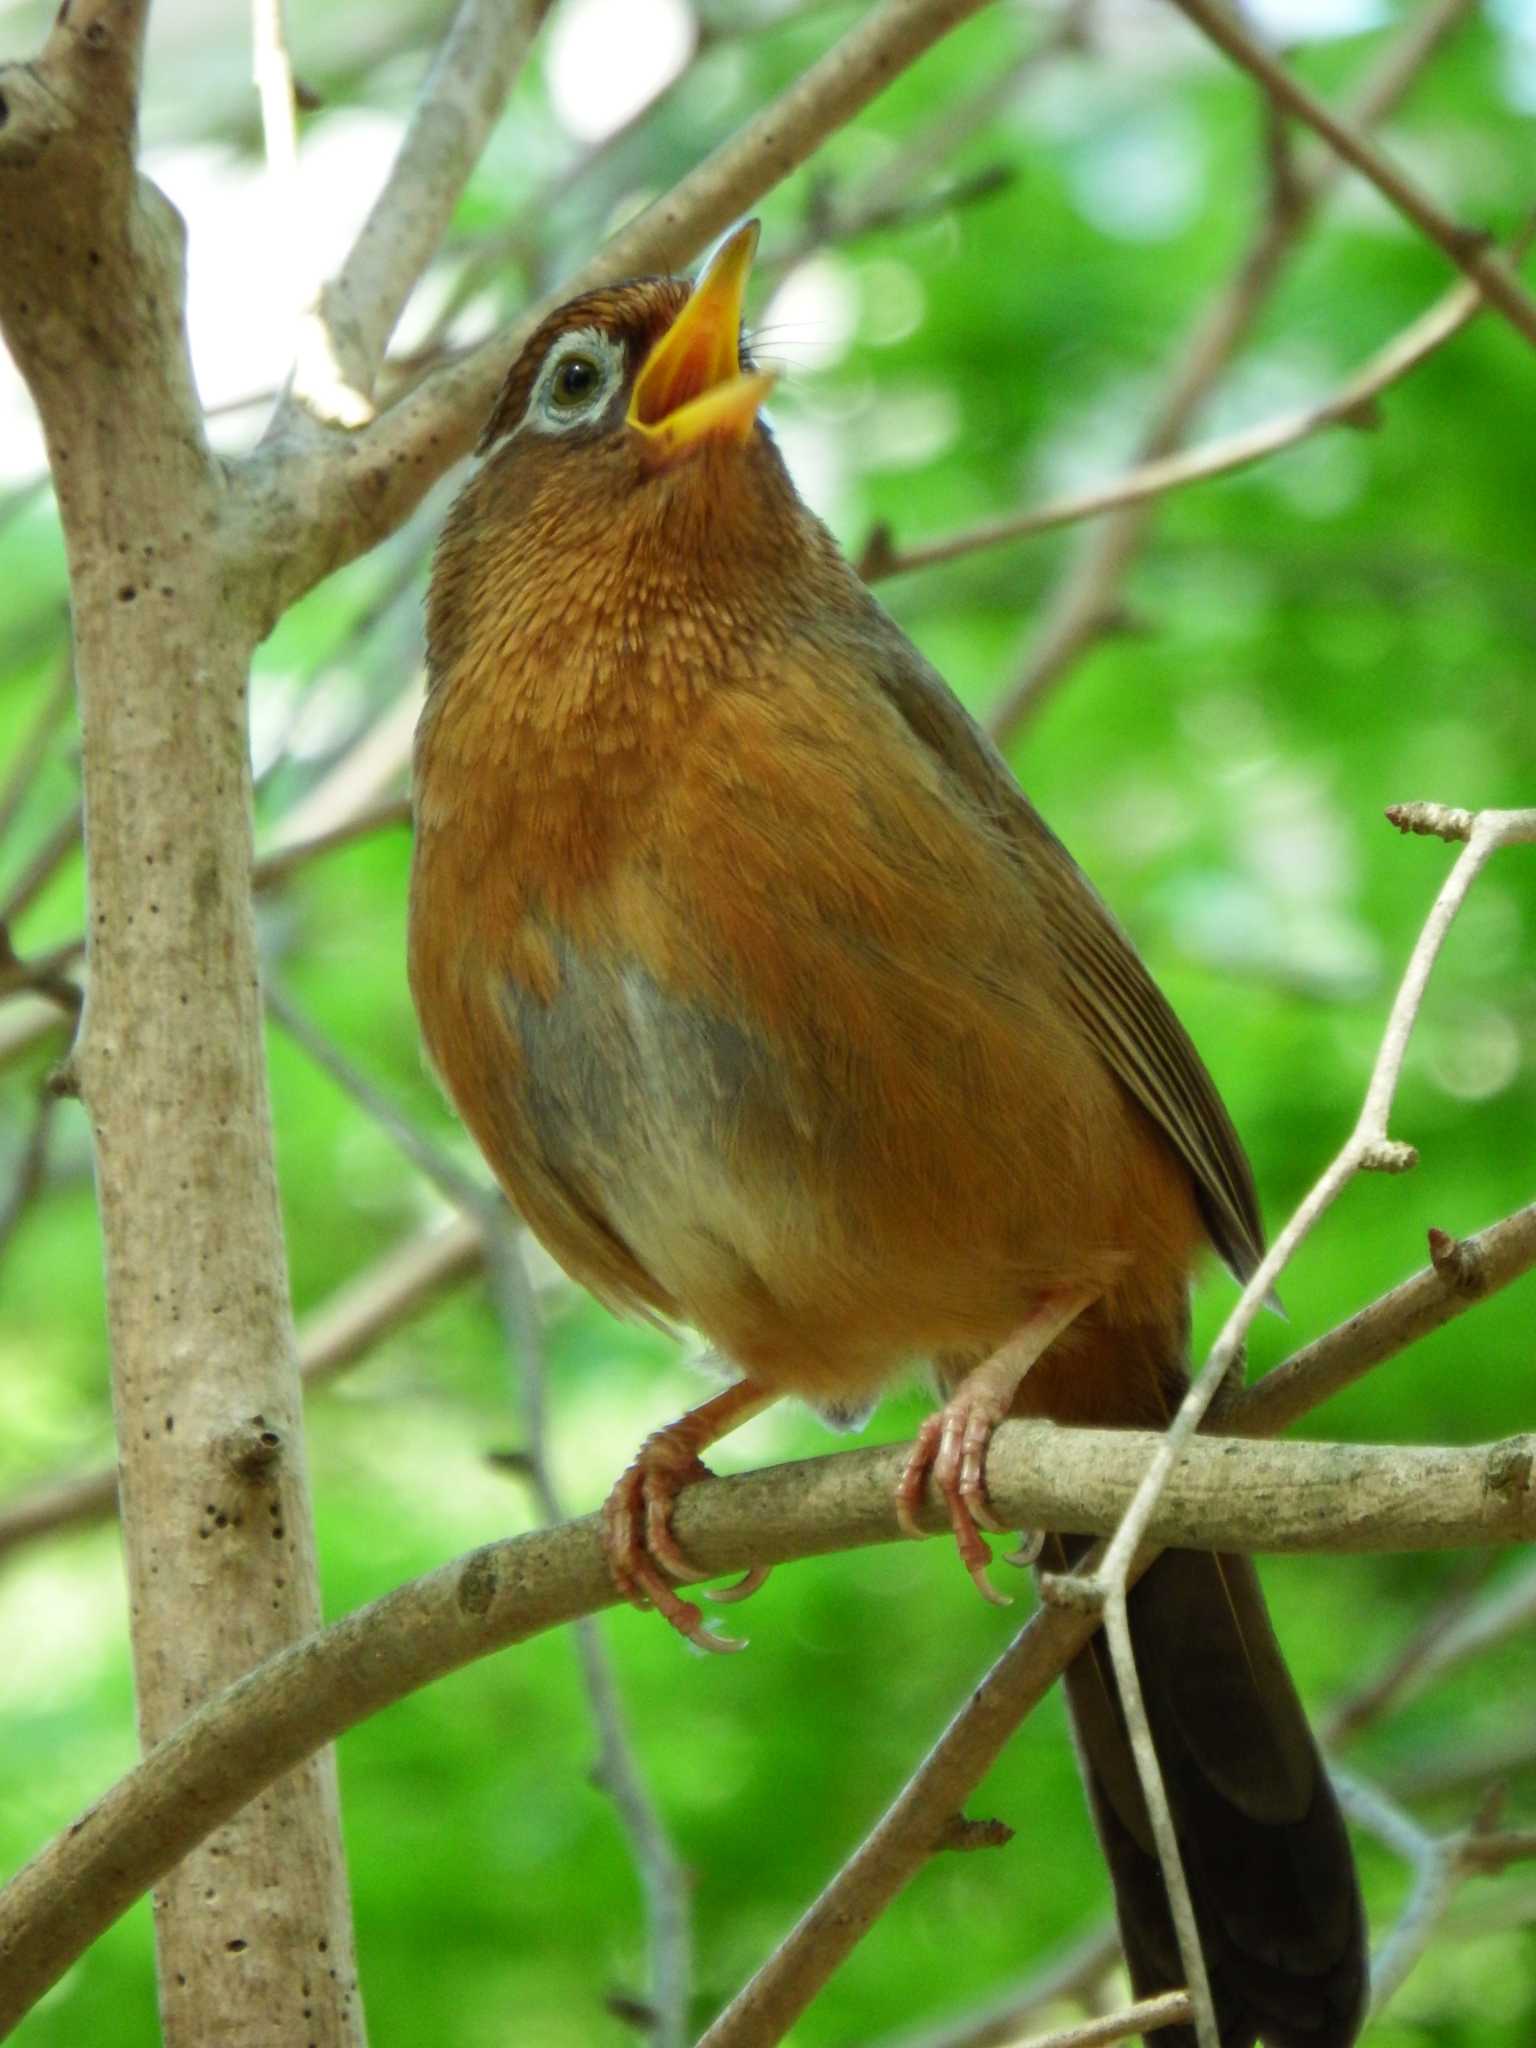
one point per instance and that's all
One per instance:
(692, 388)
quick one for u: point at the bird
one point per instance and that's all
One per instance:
(779, 1011)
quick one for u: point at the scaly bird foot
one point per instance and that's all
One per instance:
(643, 1556)
(951, 1447)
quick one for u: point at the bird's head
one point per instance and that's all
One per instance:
(631, 509)
(640, 379)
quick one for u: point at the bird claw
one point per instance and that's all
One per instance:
(744, 1587)
(643, 1555)
(951, 1447)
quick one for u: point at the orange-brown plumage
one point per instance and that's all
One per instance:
(771, 1001)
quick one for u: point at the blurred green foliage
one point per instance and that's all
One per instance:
(1347, 625)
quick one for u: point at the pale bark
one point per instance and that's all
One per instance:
(254, 1929)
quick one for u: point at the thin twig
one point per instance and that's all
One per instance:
(616, 1771)
(306, 1695)
(1147, 2016)
(473, 1198)
(272, 70)
(887, 197)
(44, 970)
(1507, 1610)
(1071, 1975)
(346, 494)
(1087, 603)
(903, 1839)
(1433, 1774)
(1369, 1148)
(1405, 1668)
(286, 856)
(1468, 249)
(344, 339)
(663, 1879)
(1350, 406)
(1440, 1865)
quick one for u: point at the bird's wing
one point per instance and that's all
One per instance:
(1121, 1008)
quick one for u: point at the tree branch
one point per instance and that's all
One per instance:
(1352, 405)
(168, 1061)
(1087, 603)
(343, 340)
(310, 509)
(1467, 248)
(1226, 1495)
(663, 1881)
(904, 1838)
(1072, 1975)
(1147, 2016)
(1369, 1148)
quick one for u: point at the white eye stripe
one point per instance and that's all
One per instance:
(545, 414)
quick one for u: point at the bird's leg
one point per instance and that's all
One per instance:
(637, 1515)
(952, 1443)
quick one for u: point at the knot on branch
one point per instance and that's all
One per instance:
(253, 1448)
(964, 1836)
(1508, 1470)
(1388, 1155)
(1460, 1265)
(478, 1582)
(1072, 1590)
(1432, 821)
(30, 117)
(879, 557)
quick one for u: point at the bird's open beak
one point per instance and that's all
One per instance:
(692, 388)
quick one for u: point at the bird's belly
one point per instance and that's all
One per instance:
(821, 1228)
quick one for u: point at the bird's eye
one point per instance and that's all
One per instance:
(577, 378)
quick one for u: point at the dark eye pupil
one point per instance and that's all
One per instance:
(575, 379)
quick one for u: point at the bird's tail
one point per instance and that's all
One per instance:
(1269, 1866)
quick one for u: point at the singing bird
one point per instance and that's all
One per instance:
(778, 1009)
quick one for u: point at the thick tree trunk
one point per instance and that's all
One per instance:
(254, 1929)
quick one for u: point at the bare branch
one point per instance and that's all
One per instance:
(362, 1310)
(1440, 1865)
(1042, 1477)
(1503, 1253)
(1507, 1609)
(663, 1879)
(1431, 1775)
(343, 341)
(285, 859)
(272, 70)
(1368, 1149)
(997, 2025)
(1468, 250)
(313, 509)
(1087, 605)
(1147, 2016)
(1369, 1701)
(887, 195)
(1351, 406)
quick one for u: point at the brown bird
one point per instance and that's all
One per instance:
(777, 1008)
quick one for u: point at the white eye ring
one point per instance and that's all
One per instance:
(551, 413)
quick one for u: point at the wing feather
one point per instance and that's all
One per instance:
(1121, 1008)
